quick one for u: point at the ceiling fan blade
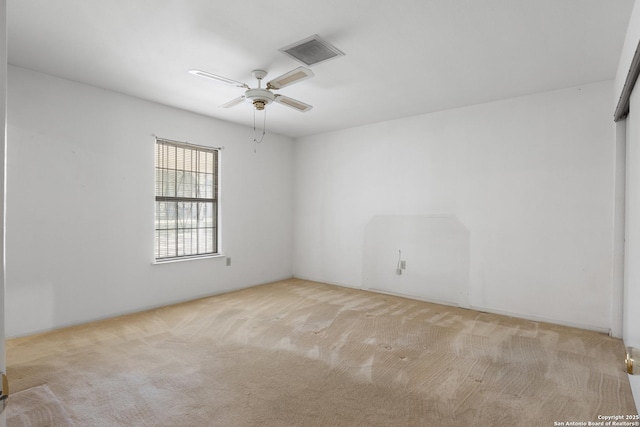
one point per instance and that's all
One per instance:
(293, 103)
(293, 76)
(233, 102)
(218, 78)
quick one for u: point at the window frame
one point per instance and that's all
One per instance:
(214, 200)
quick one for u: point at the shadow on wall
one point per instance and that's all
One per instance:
(435, 251)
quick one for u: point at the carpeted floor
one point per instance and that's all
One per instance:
(36, 407)
(298, 353)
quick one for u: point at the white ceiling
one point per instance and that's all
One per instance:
(403, 57)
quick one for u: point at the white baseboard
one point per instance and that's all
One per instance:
(474, 307)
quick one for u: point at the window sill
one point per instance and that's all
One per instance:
(193, 258)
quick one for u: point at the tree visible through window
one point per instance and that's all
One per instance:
(186, 200)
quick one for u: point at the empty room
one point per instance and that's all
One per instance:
(306, 213)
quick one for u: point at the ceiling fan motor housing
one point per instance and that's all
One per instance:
(259, 97)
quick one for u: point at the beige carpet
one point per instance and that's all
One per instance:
(297, 353)
(36, 407)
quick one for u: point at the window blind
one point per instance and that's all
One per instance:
(186, 221)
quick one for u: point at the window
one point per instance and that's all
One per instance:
(186, 200)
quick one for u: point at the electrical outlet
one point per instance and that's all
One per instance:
(398, 271)
(403, 265)
(228, 262)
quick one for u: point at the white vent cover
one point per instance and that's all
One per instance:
(312, 50)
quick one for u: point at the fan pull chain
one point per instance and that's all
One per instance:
(264, 129)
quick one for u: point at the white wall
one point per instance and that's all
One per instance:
(617, 285)
(3, 146)
(631, 317)
(631, 136)
(81, 205)
(530, 178)
(434, 247)
(628, 50)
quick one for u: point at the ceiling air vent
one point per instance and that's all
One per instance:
(312, 50)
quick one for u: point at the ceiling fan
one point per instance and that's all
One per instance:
(261, 97)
